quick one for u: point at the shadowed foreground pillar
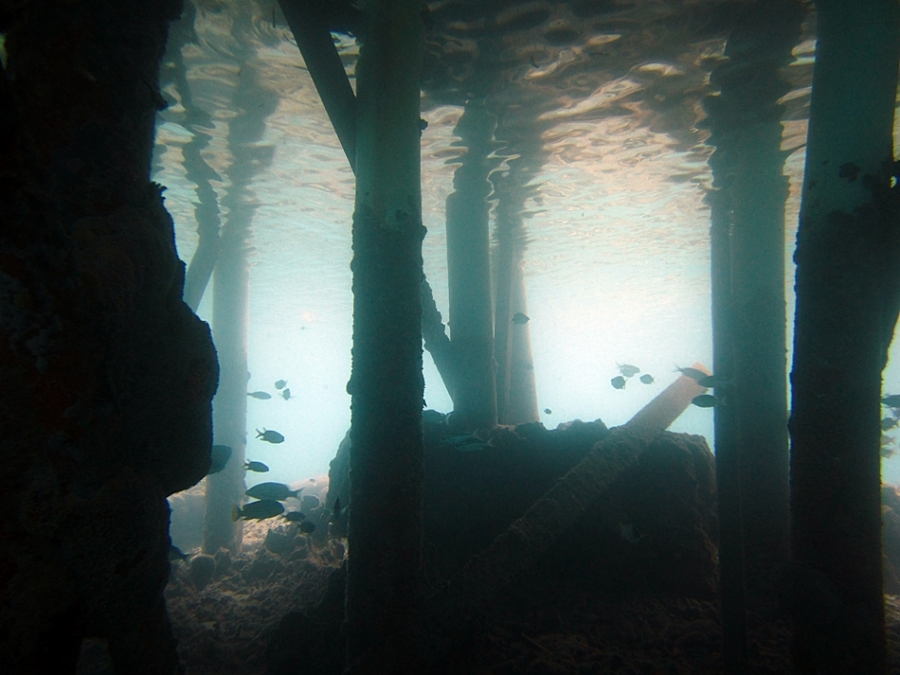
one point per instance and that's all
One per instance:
(848, 290)
(386, 460)
(106, 374)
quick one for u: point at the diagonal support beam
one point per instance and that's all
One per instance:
(310, 22)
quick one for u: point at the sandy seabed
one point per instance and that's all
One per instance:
(223, 628)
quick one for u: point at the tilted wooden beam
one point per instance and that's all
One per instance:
(311, 22)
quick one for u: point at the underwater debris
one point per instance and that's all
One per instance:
(261, 395)
(892, 401)
(203, 567)
(269, 436)
(692, 373)
(277, 491)
(220, 454)
(547, 411)
(286, 394)
(295, 516)
(647, 378)
(630, 533)
(627, 369)
(618, 382)
(520, 319)
(264, 508)
(280, 384)
(705, 401)
(466, 442)
(258, 467)
(176, 553)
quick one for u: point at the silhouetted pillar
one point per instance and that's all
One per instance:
(231, 309)
(521, 394)
(197, 121)
(848, 290)
(516, 392)
(747, 239)
(386, 456)
(751, 86)
(106, 374)
(469, 272)
(732, 593)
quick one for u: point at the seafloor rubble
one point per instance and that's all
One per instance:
(630, 590)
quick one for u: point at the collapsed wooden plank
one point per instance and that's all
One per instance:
(514, 551)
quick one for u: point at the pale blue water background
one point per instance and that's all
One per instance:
(617, 265)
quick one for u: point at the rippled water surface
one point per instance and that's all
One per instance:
(601, 109)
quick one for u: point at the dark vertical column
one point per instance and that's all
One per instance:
(386, 464)
(231, 301)
(521, 401)
(106, 374)
(751, 87)
(516, 392)
(197, 121)
(848, 247)
(469, 272)
(732, 593)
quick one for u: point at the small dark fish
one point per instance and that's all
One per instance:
(618, 382)
(261, 395)
(692, 373)
(264, 508)
(704, 401)
(892, 401)
(277, 491)
(280, 384)
(647, 379)
(307, 527)
(547, 411)
(295, 516)
(286, 394)
(258, 467)
(269, 436)
(888, 423)
(176, 553)
(627, 369)
(520, 319)
(220, 454)
(713, 381)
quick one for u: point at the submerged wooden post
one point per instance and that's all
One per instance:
(231, 303)
(848, 295)
(516, 391)
(196, 121)
(386, 457)
(760, 44)
(521, 396)
(469, 273)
